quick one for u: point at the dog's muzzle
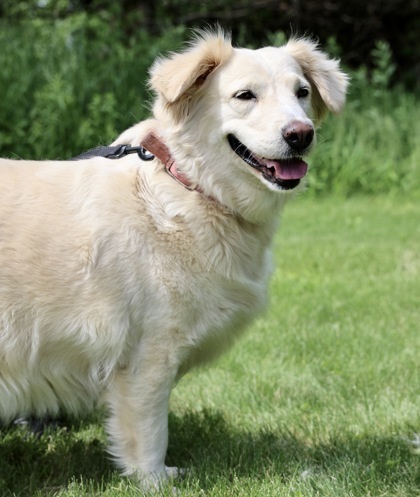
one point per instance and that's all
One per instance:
(284, 173)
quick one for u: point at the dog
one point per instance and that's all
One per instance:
(119, 276)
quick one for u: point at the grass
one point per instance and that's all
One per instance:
(320, 398)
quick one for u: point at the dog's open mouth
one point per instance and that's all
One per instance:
(285, 173)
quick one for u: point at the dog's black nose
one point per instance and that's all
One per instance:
(298, 135)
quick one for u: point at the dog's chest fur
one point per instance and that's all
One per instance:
(210, 274)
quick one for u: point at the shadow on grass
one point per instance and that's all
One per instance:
(67, 451)
(216, 450)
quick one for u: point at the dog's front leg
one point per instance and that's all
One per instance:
(138, 425)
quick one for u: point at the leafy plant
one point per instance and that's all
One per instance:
(72, 83)
(384, 68)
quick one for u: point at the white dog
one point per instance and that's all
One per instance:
(118, 276)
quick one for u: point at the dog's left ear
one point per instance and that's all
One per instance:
(329, 83)
(177, 77)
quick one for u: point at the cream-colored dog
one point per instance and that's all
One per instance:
(118, 276)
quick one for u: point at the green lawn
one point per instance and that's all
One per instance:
(321, 396)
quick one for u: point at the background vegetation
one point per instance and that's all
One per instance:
(73, 75)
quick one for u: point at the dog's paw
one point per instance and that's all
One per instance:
(174, 473)
(159, 482)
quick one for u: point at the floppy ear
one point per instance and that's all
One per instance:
(329, 84)
(177, 77)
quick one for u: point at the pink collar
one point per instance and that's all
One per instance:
(154, 144)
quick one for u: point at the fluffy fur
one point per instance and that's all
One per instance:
(115, 280)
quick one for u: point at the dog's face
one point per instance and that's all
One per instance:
(248, 114)
(265, 109)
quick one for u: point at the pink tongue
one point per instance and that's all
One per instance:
(288, 169)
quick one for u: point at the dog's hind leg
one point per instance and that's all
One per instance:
(138, 425)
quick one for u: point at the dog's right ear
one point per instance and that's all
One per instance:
(176, 78)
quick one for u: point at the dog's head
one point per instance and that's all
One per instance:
(246, 117)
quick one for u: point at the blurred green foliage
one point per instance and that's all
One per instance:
(373, 147)
(74, 75)
(72, 83)
(356, 25)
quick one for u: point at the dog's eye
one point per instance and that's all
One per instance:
(245, 95)
(302, 92)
